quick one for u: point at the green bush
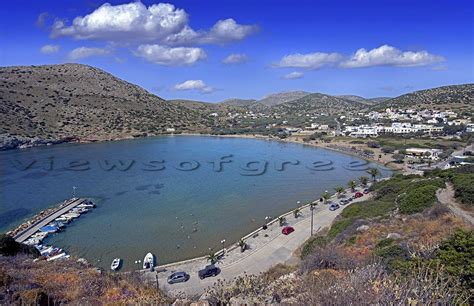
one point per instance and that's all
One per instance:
(418, 199)
(457, 255)
(9, 247)
(338, 227)
(313, 243)
(464, 187)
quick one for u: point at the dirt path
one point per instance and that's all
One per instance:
(446, 197)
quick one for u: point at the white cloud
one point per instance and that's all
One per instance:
(161, 23)
(309, 61)
(228, 30)
(41, 20)
(194, 85)
(235, 59)
(83, 52)
(167, 56)
(49, 49)
(389, 56)
(293, 75)
(129, 22)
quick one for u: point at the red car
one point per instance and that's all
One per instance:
(287, 230)
(358, 194)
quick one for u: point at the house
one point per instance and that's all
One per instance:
(422, 152)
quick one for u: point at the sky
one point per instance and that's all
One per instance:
(213, 50)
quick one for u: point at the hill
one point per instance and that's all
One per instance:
(282, 97)
(318, 103)
(73, 100)
(367, 101)
(238, 102)
(446, 97)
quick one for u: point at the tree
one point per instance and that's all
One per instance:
(296, 212)
(213, 258)
(282, 220)
(326, 197)
(374, 172)
(243, 245)
(340, 190)
(364, 180)
(352, 185)
(398, 158)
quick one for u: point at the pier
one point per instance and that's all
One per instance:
(62, 209)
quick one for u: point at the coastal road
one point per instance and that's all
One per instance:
(70, 204)
(279, 249)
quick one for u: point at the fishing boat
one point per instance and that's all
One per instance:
(115, 264)
(149, 261)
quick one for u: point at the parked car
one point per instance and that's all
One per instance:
(358, 194)
(209, 271)
(366, 190)
(344, 202)
(334, 207)
(178, 277)
(287, 230)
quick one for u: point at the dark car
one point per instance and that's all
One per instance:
(209, 271)
(334, 207)
(178, 277)
(287, 230)
(366, 191)
(344, 202)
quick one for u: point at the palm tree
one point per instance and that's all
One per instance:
(364, 180)
(340, 190)
(352, 185)
(212, 257)
(326, 197)
(296, 212)
(374, 172)
(242, 245)
(282, 220)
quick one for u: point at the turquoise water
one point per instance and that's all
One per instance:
(186, 205)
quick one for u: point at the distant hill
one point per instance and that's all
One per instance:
(318, 103)
(446, 97)
(379, 99)
(56, 101)
(367, 101)
(282, 97)
(238, 102)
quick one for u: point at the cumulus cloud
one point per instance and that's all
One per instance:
(309, 61)
(84, 52)
(161, 23)
(167, 56)
(125, 22)
(41, 20)
(235, 59)
(49, 49)
(389, 56)
(293, 75)
(194, 85)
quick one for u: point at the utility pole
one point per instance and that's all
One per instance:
(311, 207)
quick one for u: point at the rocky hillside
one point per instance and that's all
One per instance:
(446, 97)
(367, 101)
(238, 102)
(73, 100)
(282, 97)
(318, 103)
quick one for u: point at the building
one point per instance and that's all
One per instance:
(422, 152)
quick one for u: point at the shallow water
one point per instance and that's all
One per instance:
(171, 195)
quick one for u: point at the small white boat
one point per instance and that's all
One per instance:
(115, 264)
(149, 261)
(57, 256)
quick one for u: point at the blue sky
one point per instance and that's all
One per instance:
(178, 50)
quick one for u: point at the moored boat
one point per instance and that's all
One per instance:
(149, 261)
(115, 264)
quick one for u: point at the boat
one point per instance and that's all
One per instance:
(86, 205)
(149, 261)
(57, 256)
(115, 264)
(49, 229)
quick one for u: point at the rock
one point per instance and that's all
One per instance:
(394, 236)
(182, 302)
(363, 228)
(207, 298)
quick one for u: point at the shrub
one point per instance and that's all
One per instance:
(9, 247)
(338, 227)
(417, 199)
(464, 187)
(313, 243)
(388, 149)
(457, 255)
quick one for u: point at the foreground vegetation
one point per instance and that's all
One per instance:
(399, 247)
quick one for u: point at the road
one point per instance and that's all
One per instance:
(446, 197)
(48, 219)
(277, 249)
